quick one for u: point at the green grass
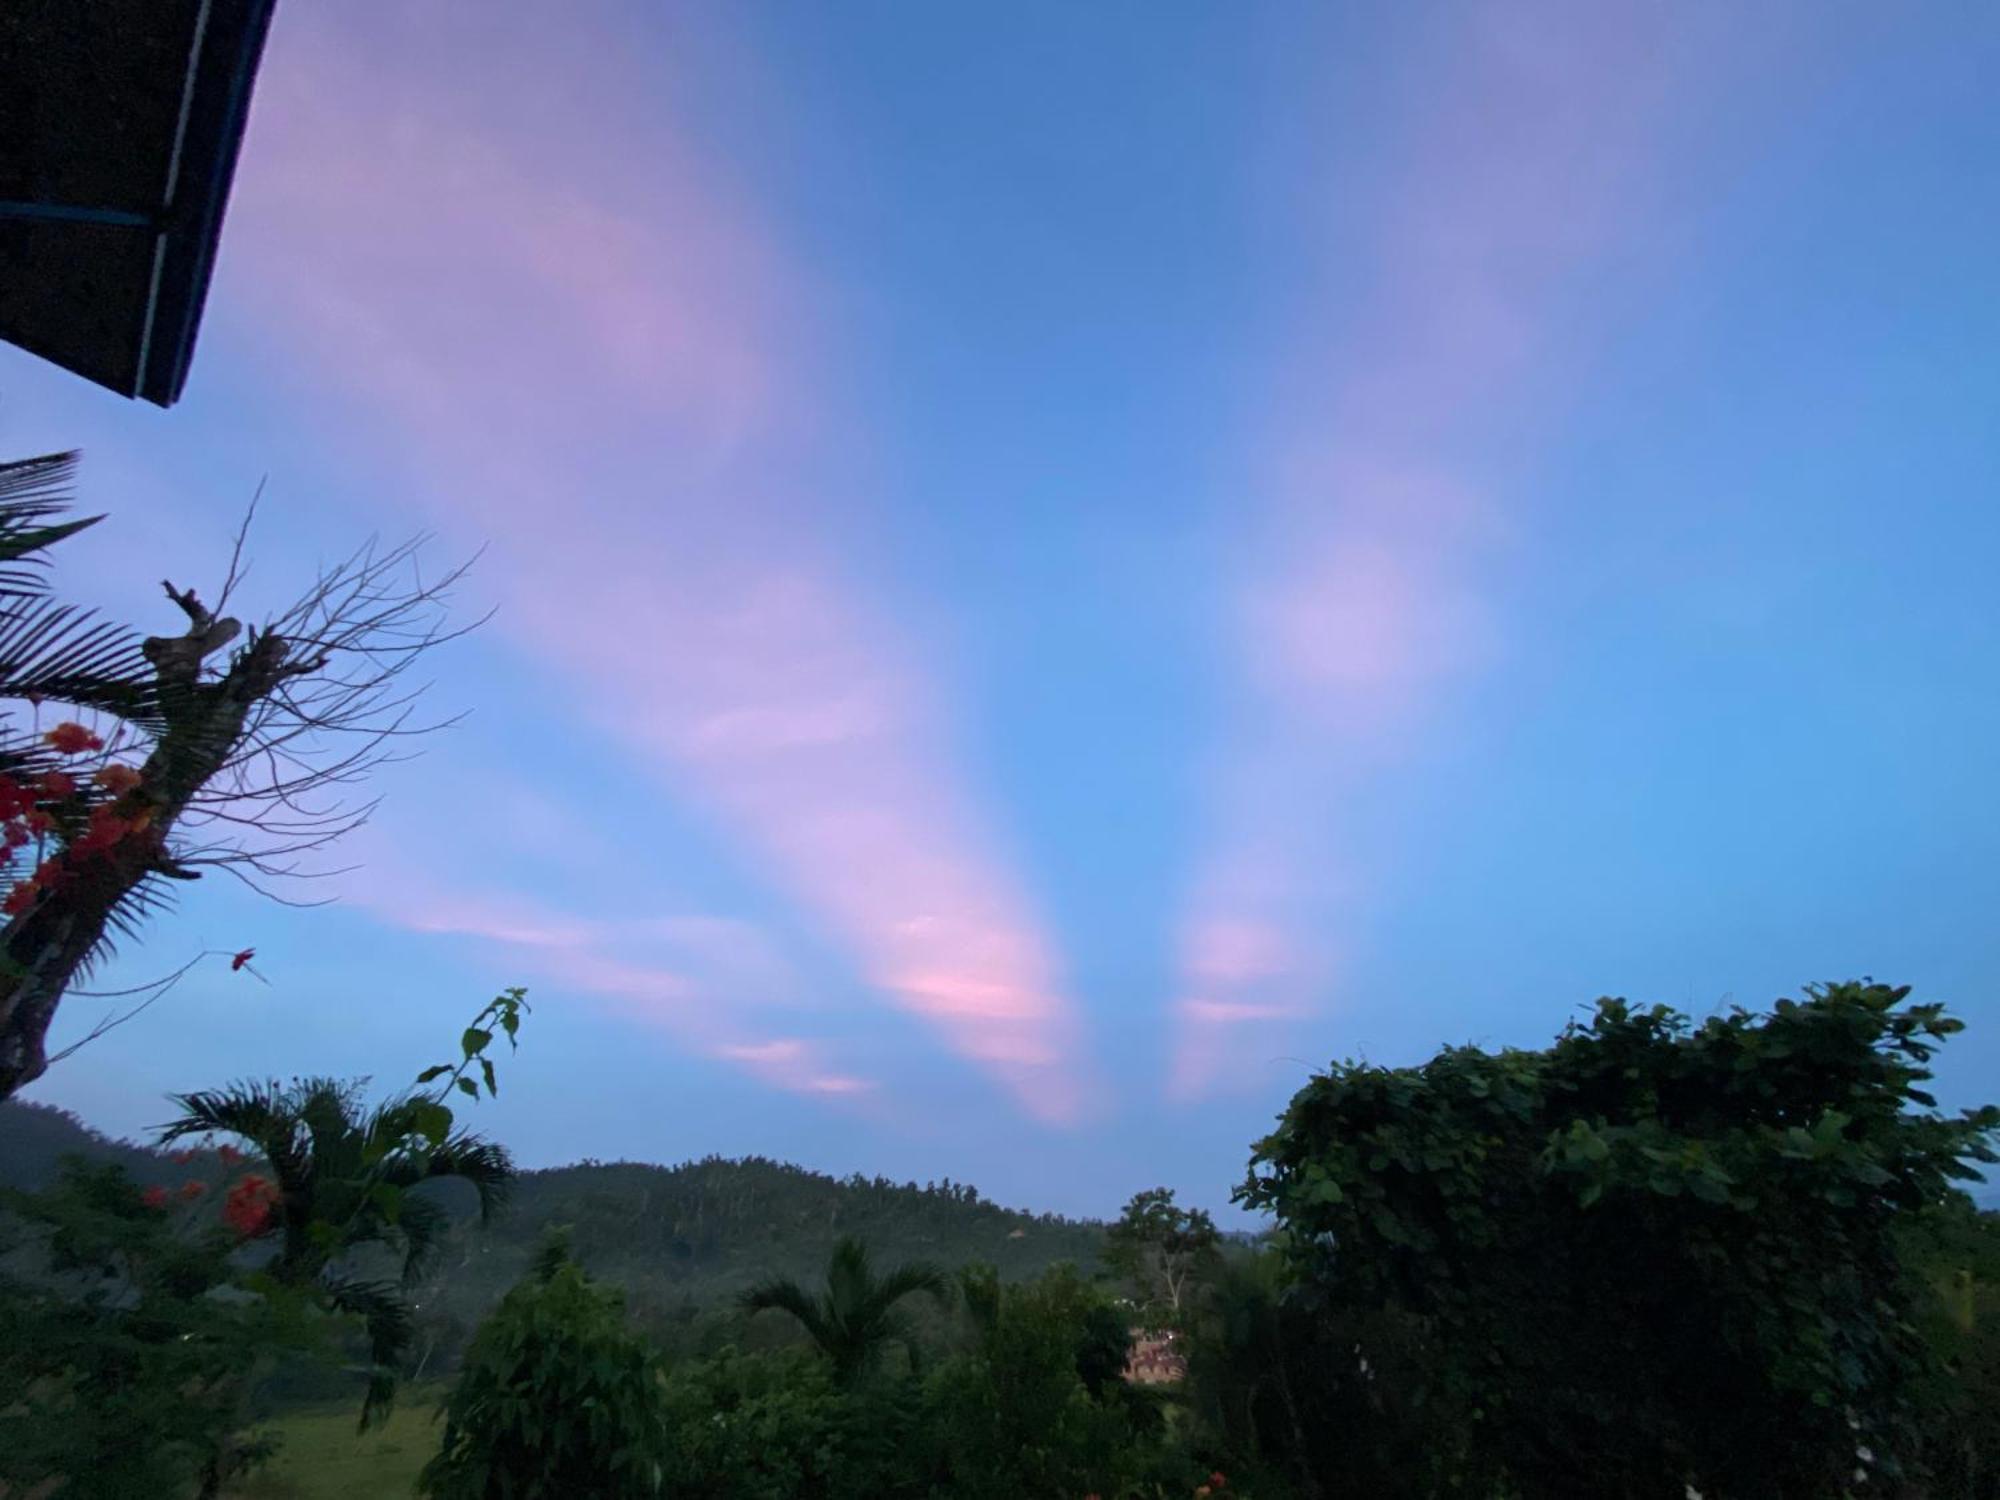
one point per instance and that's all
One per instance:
(323, 1458)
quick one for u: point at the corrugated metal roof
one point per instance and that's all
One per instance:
(119, 127)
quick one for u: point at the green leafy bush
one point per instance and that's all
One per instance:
(1655, 1255)
(558, 1398)
(776, 1426)
(125, 1341)
(1029, 1410)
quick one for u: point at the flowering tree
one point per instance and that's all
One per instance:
(217, 747)
(340, 1175)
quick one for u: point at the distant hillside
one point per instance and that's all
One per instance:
(680, 1240)
(35, 1137)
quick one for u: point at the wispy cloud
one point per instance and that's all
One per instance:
(597, 358)
(1381, 519)
(680, 974)
(791, 1063)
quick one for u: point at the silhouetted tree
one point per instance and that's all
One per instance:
(340, 1179)
(1653, 1256)
(194, 759)
(855, 1316)
(559, 1398)
(1162, 1248)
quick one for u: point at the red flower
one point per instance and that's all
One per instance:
(104, 831)
(229, 1156)
(241, 959)
(20, 898)
(154, 1197)
(14, 835)
(39, 822)
(248, 1208)
(73, 739)
(1218, 1480)
(57, 785)
(117, 780)
(191, 1190)
(181, 1158)
(13, 796)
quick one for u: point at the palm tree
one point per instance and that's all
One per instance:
(856, 1315)
(58, 654)
(234, 745)
(340, 1175)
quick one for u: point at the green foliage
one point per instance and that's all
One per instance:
(343, 1176)
(342, 1173)
(856, 1315)
(558, 1398)
(124, 1342)
(1955, 1263)
(1654, 1255)
(1018, 1414)
(681, 1242)
(775, 1427)
(1163, 1250)
(1284, 1390)
(53, 652)
(504, 1011)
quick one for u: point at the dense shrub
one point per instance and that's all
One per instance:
(125, 1341)
(1653, 1257)
(775, 1426)
(558, 1398)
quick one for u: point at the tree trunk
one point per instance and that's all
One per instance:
(42, 948)
(45, 947)
(1308, 1481)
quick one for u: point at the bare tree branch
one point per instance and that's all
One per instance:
(250, 761)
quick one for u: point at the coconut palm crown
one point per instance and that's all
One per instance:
(856, 1315)
(340, 1174)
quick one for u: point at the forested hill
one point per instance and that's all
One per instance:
(679, 1239)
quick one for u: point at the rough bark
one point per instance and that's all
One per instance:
(45, 946)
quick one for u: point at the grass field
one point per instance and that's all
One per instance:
(322, 1457)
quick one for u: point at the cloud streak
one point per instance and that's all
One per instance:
(683, 975)
(599, 360)
(1382, 515)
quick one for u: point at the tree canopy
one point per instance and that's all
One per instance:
(1161, 1248)
(1654, 1255)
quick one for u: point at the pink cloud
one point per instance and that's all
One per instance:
(567, 326)
(790, 1063)
(1524, 158)
(566, 955)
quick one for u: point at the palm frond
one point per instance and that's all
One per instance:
(386, 1316)
(150, 897)
(424, 1225)
(848, 1273)
(906, 1280)
(327, 1110)
(782, 1294)
(483, 1163)
(256, 1111)
(33, 492)
(64, 654)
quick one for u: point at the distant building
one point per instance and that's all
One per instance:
(1156, 1358)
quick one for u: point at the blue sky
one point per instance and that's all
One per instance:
(1057, 567)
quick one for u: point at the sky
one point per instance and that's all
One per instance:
(1057, 568)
